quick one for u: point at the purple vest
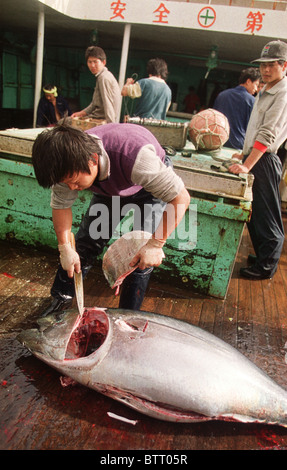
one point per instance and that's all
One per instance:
(122, 142)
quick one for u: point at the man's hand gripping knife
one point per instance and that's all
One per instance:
(69, 259)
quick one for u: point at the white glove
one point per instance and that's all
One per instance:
(69, 259)
(151, 254)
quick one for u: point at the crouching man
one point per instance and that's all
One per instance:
(113, 160)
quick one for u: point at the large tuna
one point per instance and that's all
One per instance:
(160, 366)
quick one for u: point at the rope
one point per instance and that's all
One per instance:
(204, 137)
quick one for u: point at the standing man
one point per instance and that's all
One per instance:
(152, 93)
(106, 101)
(123, 161)
(236, 104)
(266, 131)
(51, 107)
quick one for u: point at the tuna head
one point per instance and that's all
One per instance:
(53, 340)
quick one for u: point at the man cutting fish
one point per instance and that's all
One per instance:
(113, 160)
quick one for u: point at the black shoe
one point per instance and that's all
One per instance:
(57, 305)
(254, 274)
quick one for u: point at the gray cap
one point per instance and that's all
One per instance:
(272, 51)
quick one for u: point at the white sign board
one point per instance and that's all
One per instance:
(228, 19)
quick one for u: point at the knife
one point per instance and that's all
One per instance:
(78, 280)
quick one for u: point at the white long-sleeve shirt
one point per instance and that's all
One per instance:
(106, 101)
(268, 120)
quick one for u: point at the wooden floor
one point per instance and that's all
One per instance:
(37, 413)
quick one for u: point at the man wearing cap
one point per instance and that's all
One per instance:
(51, 107)
(266, 131)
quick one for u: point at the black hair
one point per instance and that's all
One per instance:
(61, 151)
(251, 73)
(157, 68)
(95, 51)
(49, 87)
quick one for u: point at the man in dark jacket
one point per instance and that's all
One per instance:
(236, 104)
(51, 107)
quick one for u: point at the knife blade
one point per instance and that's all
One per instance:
(78, 280)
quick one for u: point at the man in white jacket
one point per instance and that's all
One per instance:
(266, 131)
(106, 102)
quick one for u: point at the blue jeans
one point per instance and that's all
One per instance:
(134, 286)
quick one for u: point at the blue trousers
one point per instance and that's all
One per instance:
(266, 226)
(89, 247)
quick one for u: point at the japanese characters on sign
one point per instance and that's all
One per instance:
(206, 17)
(255, 21)
(118, 8)
(161, 14)
(180, 14)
